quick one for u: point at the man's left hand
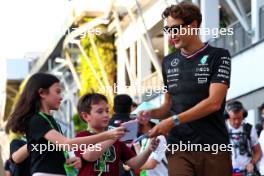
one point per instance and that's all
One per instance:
(162, 128)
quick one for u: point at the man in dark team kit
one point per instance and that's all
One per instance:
(197, 77)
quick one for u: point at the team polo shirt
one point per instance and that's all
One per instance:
(188, 79)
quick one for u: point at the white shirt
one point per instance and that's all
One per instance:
(261, 162)
(240, 161)
(158, 155)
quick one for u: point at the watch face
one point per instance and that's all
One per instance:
(176, 120)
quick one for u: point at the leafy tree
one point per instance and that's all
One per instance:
(106, 50)
(79, 124)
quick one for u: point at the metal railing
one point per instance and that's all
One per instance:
(152, 81)
(152, 86)
(261, 22)
(237, 42)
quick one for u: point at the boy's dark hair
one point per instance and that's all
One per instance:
(122, 103)
(186, 11)
(86, 101)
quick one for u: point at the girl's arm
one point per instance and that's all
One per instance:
(94, 155)
(20, 155)
(150, 164)
(139, 160)
(57, 138)
(137, 148)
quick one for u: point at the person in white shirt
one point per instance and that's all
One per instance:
(261, 142)
(156, 165)
(246, 151)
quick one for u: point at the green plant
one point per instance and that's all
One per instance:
(172, 49)
(79, 124)
(106, 50)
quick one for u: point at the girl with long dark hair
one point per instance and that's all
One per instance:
(31, 116)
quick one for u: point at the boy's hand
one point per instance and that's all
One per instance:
(74, 162)
(117, 133)
(154, 143)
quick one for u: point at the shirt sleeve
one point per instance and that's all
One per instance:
(221, 68)
(38, 127)
(164, 75)
(7, 165)
(261, 140)
(254, 137)
(78, 152)
(15, 145)
(82, 148)
(126, 153)
(159, 153)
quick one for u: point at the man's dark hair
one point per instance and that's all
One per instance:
(185, 11)
(86, 101)
(261, 107)
(234, 106)
(122, 103)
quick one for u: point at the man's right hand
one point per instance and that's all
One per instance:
(143, 117)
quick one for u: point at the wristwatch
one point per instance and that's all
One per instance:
(176, 120)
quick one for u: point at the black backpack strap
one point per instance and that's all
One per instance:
(247, 130)
(164, 162)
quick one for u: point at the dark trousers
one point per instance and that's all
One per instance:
(199, 164)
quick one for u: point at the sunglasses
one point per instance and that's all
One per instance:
(176, 27)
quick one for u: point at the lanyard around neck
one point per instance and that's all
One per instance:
(48, 120)
(69, 170)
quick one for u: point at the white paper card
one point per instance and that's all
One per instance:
(132, 127)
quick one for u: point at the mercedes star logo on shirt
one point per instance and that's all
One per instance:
(175, 62)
